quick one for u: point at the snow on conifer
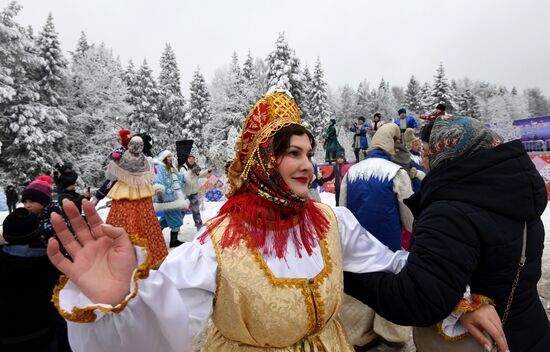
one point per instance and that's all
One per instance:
(171, 101)
(413, 96)
(442, 92)
(145, 95)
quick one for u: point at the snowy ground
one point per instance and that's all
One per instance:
(188, 231)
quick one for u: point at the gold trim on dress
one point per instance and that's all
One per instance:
(87, 315)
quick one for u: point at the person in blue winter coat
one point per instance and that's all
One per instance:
(405, 121)
(373, 190)
(171, 200)
(360, 142)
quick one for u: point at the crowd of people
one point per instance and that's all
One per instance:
(419, 237)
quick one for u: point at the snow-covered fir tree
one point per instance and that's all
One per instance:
(362, 100)
(426, 98)
(97, 105)
(347, 109)
(29, 129)
(398, 94)
(53, 73)
(81, 46)
(413, 97)
(307, 81)
(171, 101)
(514, 91)
(442, 92)
(385, 101)
(129, 77)
(145, 95)
(537, 103)
(198, 112)
(252, 88)
(320, 112)
(468, 105)
(283, 69)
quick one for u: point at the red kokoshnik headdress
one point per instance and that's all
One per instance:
(261, 209)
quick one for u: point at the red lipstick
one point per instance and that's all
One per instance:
(301, 179)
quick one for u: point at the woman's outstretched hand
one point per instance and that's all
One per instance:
(485, 319)
(103, 257)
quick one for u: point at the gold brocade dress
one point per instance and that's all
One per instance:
(256, 311)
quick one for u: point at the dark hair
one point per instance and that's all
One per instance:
(361, 118)
(377, 115)
(426, 131)
(441, 107)
(281, 139)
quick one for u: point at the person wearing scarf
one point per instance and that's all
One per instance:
(267, 270)
(478, 198)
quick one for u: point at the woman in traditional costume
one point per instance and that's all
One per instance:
(267, 269)
(169, 184)
(132, 206)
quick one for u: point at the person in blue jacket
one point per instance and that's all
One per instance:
(360, 142)
(405, 121)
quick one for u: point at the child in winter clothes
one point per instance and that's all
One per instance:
(37, 198)
(67, 189)
(11, 198)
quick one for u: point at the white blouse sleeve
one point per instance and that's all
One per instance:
(171, 307)
(361, 251)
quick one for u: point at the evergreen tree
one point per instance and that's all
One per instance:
(514, 91)
(307, 82)
(252, 85)
(362, 100)
(145, 116)
(283, 70)
(53, 73)
(385, 101)
(81, 46)
(171, 101)
(347, 104)
(442, 92)
(320, 109)
(413, 98)
(29, 129)
(426, 105)
(537, 104)
(199, 111)
(96, 101)
(468, 105)
(129, 77)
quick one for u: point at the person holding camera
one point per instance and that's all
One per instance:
(192, 173)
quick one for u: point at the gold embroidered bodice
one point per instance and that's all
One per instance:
(256, 311)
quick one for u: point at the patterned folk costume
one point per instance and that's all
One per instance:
(132, 206)
(267, 269)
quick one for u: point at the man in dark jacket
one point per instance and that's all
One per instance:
(470, 215)
(11, 198)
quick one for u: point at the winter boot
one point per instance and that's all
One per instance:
(174, 242)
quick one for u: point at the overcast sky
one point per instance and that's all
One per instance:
(501, 41)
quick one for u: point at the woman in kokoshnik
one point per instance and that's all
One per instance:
(267, 269)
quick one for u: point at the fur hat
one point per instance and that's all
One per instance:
(410, 139)
(124, 137)
(21, 227)
(401, 111)
(39, 191)
(163, 155)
